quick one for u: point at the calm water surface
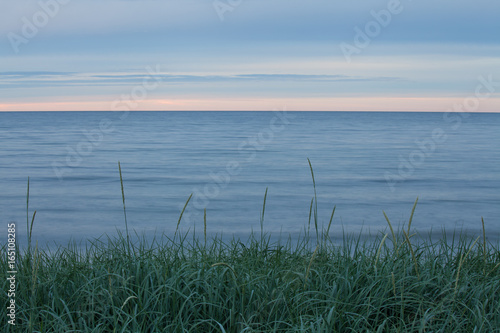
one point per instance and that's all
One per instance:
(364, 163)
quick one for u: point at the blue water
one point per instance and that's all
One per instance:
(364, 163)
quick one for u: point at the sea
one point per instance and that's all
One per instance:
(226, 163)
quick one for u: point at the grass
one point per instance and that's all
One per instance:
(177, 284)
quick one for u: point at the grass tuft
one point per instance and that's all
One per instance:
(260, 286)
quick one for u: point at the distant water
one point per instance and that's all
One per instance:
(364, 163)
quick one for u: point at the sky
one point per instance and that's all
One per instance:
(338, 55)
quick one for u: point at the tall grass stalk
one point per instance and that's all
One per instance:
(315, 201)
(182, 213)
(415, 262)
(310, 215)
(484, 245)
(205, 227)
(124, 209)
(411, 216)
(262, 216)
(27, 213)
(394, 239)
(331, 219)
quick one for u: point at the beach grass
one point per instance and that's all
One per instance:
(395, 282)
(255, 286)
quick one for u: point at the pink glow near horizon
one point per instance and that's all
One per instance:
(266, 104)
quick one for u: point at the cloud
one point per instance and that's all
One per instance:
(19, 79)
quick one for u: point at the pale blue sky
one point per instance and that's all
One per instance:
(261, 55)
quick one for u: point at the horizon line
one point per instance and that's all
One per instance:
(411, 111)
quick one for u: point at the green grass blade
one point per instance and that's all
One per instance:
(380, 248)
(27, 213)
(310, 214)
(182, 212)
(315, 199)
(412, 253)
(484, 244)
(262, 215)
(205, 225)
(331, 219)
(462, 259)
(392, 230)
(312, 174)
(310, 264)
(411, 216)
(31, 226)
(124, 209)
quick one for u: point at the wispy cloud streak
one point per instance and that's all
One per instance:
(47, 79)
